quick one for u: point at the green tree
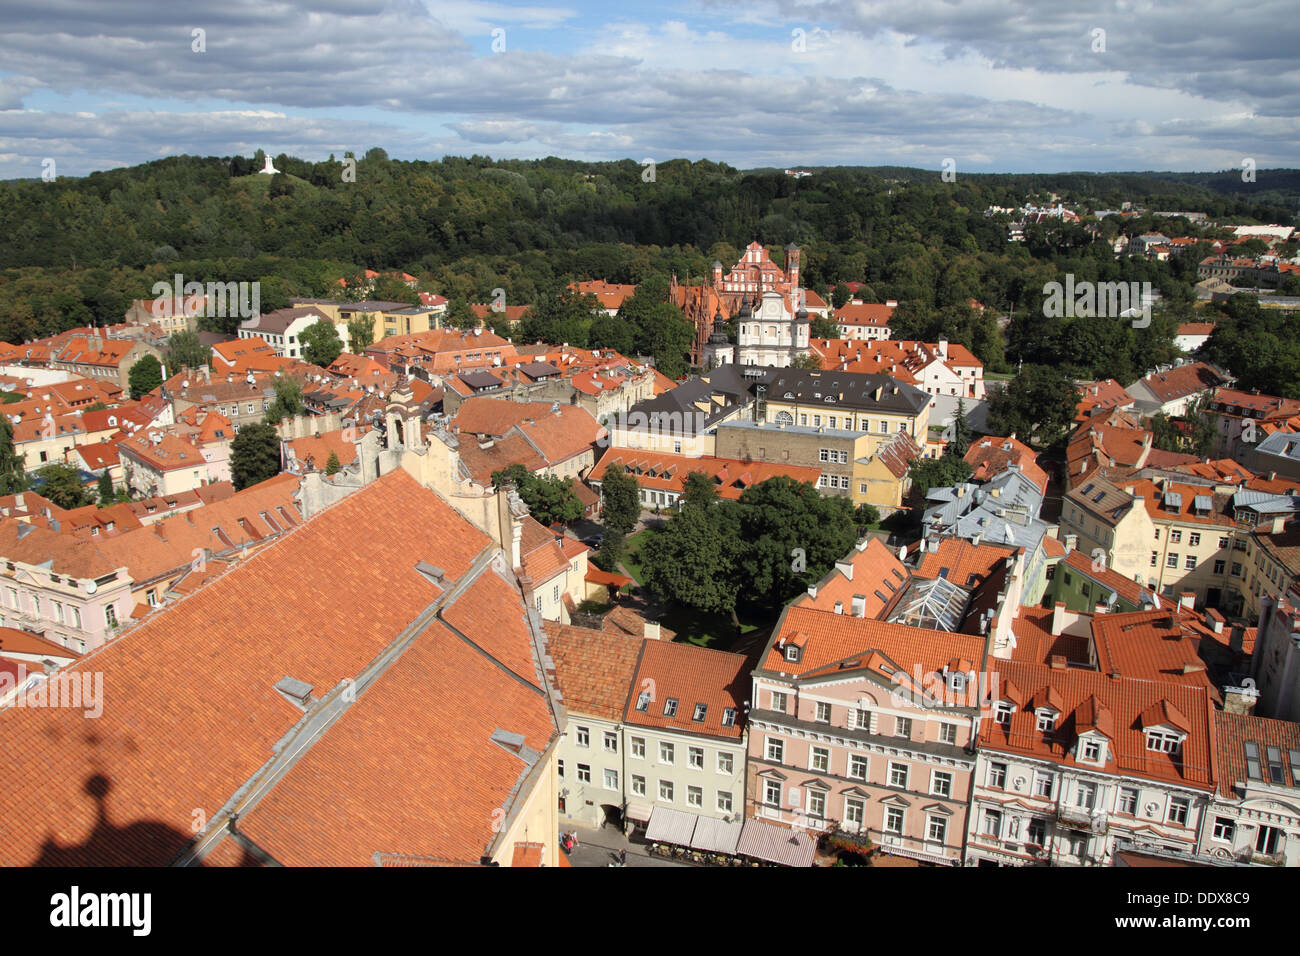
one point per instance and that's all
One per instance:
(12, 474)
(332, 466)
(550, 499)
(62, 485)
(361, 332)
(961, 431)
(611, 551)
(287, 402)
(145, 376)
(106, 494)
(185, 349)
(809, 361)
(254, 455)
(321, 344)
(698, 491)
(621, 500)
(823, 328)
(460, 315)
(1039, 405)
(942, 472)
(611, 332)
(866, 516)
(693, 562)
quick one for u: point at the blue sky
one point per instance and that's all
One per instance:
(995, 85)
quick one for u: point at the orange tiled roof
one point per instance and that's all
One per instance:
(878, 577)
(691, 675)
(1159, 645)
(1233, 731)
(989, 457)
(593, 668)
(1133, 704)
(731, 476)
(223, 649)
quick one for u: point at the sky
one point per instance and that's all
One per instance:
(968, 85)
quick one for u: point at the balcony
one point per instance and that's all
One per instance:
(1081, 818)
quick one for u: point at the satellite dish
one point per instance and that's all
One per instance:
(91, 587)
(185, 384)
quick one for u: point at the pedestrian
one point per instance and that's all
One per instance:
(622, 857)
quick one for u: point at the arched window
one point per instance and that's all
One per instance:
(784, 418)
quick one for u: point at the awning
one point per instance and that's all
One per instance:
(671, 826)
(716, 836)
(638, 810)
(596, 576)
(776, 844)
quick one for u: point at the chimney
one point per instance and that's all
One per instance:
(651, 630)
(943, 349)
(845, 568)
(1071, 542)
(1058, 618)
(1277, 524)
(1187, 600)
(1216, 620)
(1057, 662)
(1100, 608)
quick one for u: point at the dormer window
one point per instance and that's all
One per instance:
(1046, 721)
(792, 653)
(1002, 713)
(1091, 751)
(728, 716)
(670, 707)
(700, 711)
(643, 701)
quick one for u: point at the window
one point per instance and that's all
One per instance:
(1223, 541)
(820, 759)
(666, 754)
(694, 797)
(1085, 795)
(728, 716)
(1189, 562)
(666, 791)
(584, 737)
(903, 726)
(1128, 801)
(823, 712)
(1091, 750)
(1002, 713)
(555, 594)
(898, 775)
(858, 767)
(695, 758)
(1171, 559)
(725, 762)
(854, 812)
(611, 742)
(1046, 721)
(638, 748)
(948, 733)
(1178, 807)
(559, 769)
(1194, 538)
(699, 712)
(1219, 566)
(772, 793)
(941, 783)
(638, 785)
(864, 720)
(677, 448)
(584, 773)
(936, 828)
(775, 749)
(1266, 840)
(998, 776)
(1163, 742)
(1037, 832)
(76, 616)
(611, 779)
(724, 801)
(1175, 536)
(1155, 558)
(1042, 784)
(643, 701)
(992, 823)
(894, 820)
(670, 707)
(778, 701)
(1236, 569)
(817, 804)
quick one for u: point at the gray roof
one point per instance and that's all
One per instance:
(1009, 517)
(1282, 444)
(833, 388)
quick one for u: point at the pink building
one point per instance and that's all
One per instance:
(866, 725)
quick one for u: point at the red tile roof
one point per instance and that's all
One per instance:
(593, 668)
(1233, 733)
(989, 457)
(731, 476)
(691, 675)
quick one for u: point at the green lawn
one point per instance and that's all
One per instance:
(706, 630)
(632, 553)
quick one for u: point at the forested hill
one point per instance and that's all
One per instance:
(77, 250)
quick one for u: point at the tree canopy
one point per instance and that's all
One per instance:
(254, 455)
(145, 376)
(320, 343)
